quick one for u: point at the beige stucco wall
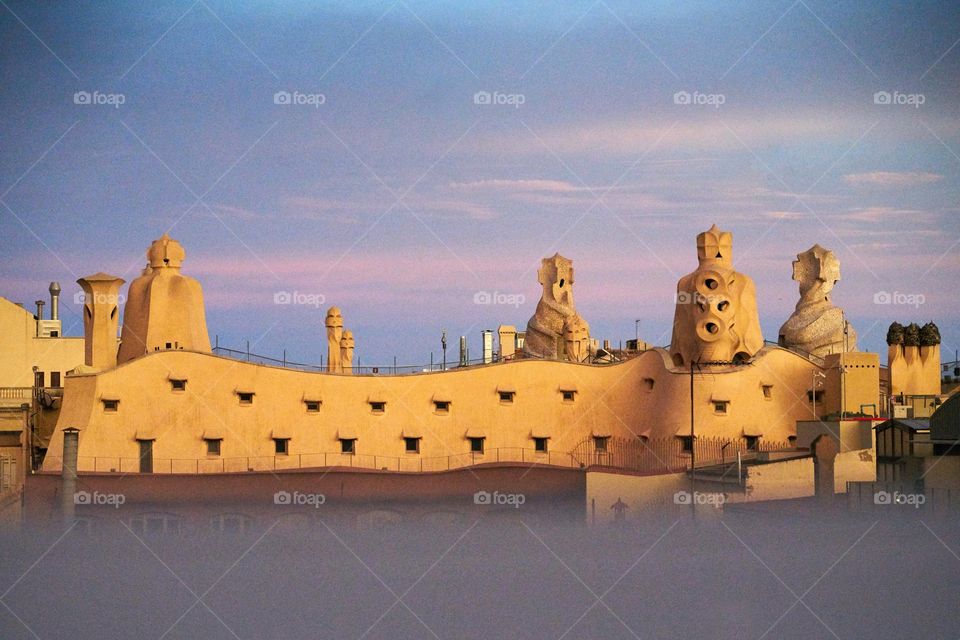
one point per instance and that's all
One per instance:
(21, 350)
(610, 400)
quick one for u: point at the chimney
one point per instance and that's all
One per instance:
(39, 304)
(68, 472)
(100, 310)
(54, 300)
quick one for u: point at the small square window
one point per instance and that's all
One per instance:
(648, 384)
(213, 447)
(819, 396)
(506, 396)
(719, 406)
(169, 345)
(686, 443)
(411, 445)
(246, 397)
(111, 405)
(568, 396)
(540, 445)
(178, 385)
(313, 406)
(753, 442)
(348, 445)
(441, 406)
(476, 445)
(768, 391)
(281, 446)
(378, 407)
(600, 443)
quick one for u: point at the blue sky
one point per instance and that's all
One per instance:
(399, 197)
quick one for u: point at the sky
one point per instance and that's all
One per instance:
(396, 159)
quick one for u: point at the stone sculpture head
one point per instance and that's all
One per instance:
(556, 276)
(165, 252)
(715, 247)
(818, 271)
(334, 318)
(576, 338)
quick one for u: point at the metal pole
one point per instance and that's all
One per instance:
(693, 448)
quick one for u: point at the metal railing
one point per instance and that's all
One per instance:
(817, 360)
(393, 369)
(411, 463)
(667, 455)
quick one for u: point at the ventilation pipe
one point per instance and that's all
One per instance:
(68, 473)
(54, 300)
(39, 304)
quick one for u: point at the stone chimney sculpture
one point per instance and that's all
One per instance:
(817, 326)
(164, 308)
(576, 339)
(913, 357)
(346, 352)
(334, 324)
(101, 296)
(545, 330)
(716, 315)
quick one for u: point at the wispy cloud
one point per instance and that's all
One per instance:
(892, 178)
(552, 186)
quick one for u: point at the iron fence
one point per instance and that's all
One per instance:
(667, 455)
